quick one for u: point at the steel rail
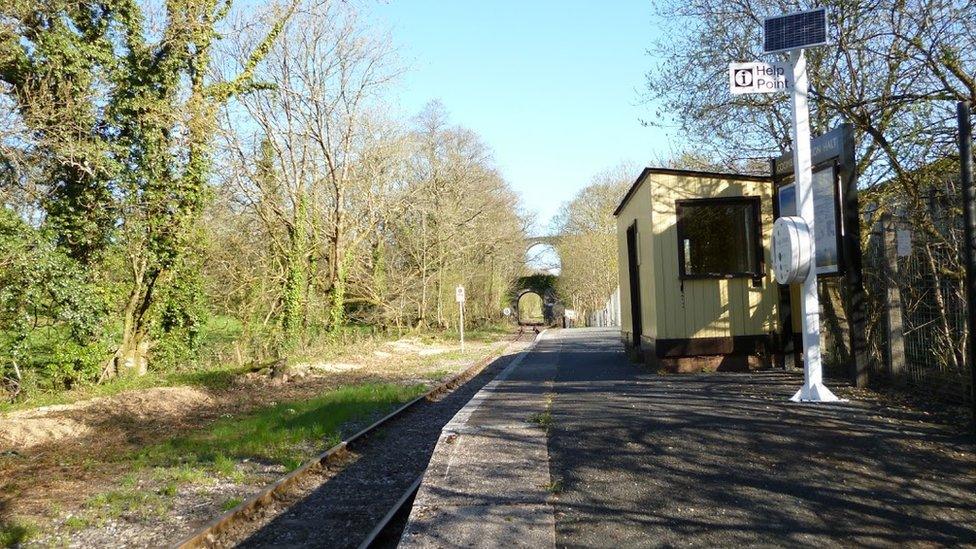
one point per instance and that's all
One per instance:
(385, 521)
(210, 533)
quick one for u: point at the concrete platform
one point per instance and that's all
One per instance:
(488, 482)
(637, 459)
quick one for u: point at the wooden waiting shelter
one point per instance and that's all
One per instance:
(696, 285)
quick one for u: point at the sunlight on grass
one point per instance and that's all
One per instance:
(15, 533)
(286, 434)
(74, 523)
(230, 504)
(438, 375)
(131, 501)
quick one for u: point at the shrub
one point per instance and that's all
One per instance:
(50, 311)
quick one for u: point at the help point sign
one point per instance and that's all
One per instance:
(759, 77)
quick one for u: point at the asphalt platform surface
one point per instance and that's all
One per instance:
(639, 459)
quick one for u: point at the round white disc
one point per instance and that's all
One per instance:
(792, 255)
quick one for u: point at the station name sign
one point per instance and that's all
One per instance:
(822, 148)
(758, 77)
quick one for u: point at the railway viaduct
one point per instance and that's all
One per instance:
(541, 281)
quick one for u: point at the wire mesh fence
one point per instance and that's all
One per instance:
(834, 337)
(915, 288)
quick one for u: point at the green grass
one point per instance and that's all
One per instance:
(75, 523)
(286, 433)
(230, 504)
(225, 466)
(437, 375)
(131, 501)
(182, 474)
(542, 419)
(13, 533)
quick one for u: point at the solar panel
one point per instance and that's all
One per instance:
(795, 30)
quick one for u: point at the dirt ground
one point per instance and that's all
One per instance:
(64, 469)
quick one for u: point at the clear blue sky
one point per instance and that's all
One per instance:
(552, 86)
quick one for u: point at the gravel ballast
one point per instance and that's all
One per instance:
(339, 506)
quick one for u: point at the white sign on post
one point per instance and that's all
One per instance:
(904, 242)
(792, 33)
(760, 77)
(459, 297)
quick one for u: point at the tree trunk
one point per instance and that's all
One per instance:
(953, 355)
(312, 266)
(337, 312)
(295, 278)
(132, 357)
(422, 310)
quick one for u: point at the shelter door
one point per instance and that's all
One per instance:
(634, 274)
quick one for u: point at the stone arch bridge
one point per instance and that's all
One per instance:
(540, 281)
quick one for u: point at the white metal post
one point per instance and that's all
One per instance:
(461, 306)
(813, 388)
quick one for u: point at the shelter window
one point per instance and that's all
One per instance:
(719, 238)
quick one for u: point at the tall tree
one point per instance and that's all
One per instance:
(587, 240)
(315, 121)
(893, 70)
(125, 115)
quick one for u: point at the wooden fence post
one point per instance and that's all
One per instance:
(896, 333)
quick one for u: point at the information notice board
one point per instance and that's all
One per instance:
(828, 227)
(826, 152)
(837, 228)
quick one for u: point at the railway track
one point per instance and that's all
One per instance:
(387, 531)
(359, 492)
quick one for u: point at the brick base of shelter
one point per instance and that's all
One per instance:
(709, 354)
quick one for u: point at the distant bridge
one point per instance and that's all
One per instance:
(544, 261)
(542, 276)
(551, 240)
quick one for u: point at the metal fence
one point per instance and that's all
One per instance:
(914, 278)
(909, 327)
